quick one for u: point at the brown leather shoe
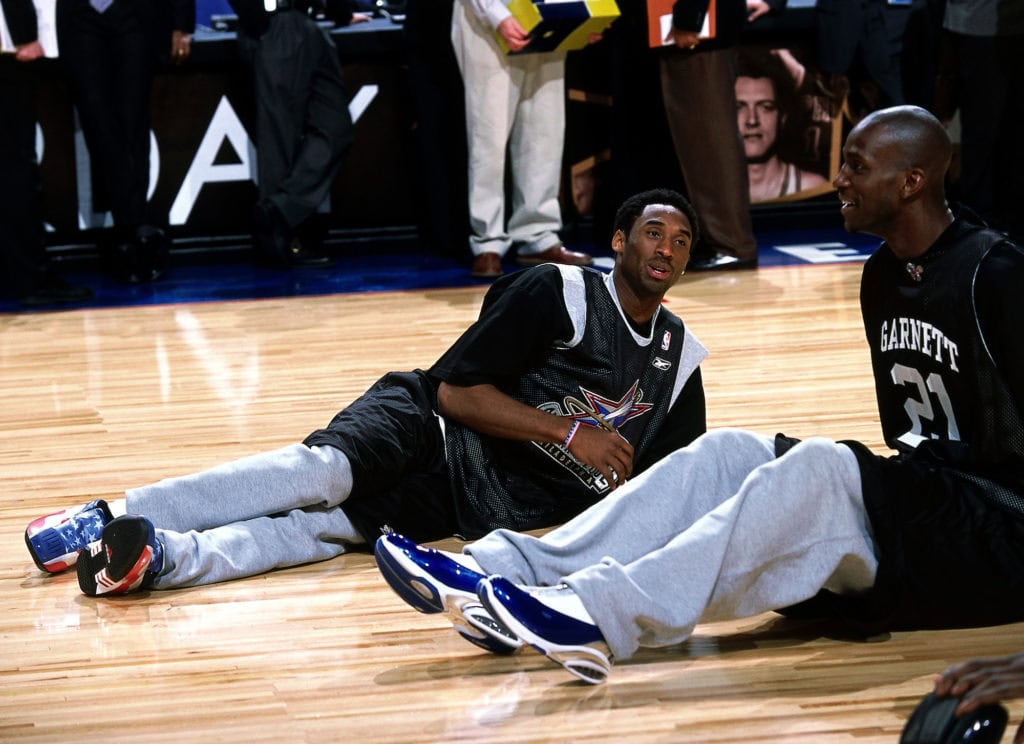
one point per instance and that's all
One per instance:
(486, 266)
(558, 255)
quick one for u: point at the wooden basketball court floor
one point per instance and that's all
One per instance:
(99, 400)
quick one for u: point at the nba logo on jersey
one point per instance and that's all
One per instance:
(666, 340)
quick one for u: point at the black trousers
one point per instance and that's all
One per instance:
(22, 251)
(395, 445)
(109, 66)
(303, 126)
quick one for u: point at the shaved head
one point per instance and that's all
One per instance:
(913, 138)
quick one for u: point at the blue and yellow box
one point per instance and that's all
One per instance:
(561, 25)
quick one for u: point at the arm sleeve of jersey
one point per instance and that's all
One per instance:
(686, 420)
(998, 294)
(523, 315)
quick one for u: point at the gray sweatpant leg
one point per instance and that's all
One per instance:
(275, 509)
(721, 529)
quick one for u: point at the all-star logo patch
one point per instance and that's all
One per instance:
(596, 411)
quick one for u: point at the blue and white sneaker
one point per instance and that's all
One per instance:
(434, 581)
(55, 540)
(126, 558)
(553, 621)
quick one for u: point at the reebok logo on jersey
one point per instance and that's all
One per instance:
(662, 364)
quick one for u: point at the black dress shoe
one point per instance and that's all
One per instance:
(137, 255)
(719, 261)
(272, 236)
(300, 257)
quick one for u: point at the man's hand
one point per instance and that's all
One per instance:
(605, 451)
(756, 9)
(513, 34)
(181, 46)
(683, 39)
(29, 52)
(983, 682)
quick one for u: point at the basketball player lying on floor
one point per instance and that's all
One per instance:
(569, 382)
(737, 523)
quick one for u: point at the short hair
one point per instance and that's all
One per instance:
(634, 206)
(761, 63)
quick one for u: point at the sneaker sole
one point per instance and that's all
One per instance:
(400, 573)
(98, 575)
(584, 662)
(95, 580)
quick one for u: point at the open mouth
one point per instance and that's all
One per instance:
(659, 271)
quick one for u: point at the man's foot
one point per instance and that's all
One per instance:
(138, 255)
(54, 540)
(433, 581)
(559, 254)
(272, 235)
(553, 621)
(127, 557)
(486, 266)
(719, 261)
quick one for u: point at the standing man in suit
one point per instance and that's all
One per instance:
(303, 126)
(111, 50)
(24, 274)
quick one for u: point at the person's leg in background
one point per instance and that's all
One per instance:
(698, 88)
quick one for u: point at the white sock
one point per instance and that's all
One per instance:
(561, 599)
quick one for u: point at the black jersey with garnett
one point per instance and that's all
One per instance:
(600, 370)
(936, 380)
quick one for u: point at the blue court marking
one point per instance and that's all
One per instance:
(236, 278)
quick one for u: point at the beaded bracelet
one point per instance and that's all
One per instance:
(572, 432)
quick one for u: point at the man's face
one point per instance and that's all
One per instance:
(654, 254)
(869, 181)
(757, 115)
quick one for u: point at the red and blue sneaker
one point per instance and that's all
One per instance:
(554, 621)
(126, 558)
(434, 581)
(56, 539)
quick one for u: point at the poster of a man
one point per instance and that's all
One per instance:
(786, 157)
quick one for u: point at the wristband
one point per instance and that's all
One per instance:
(572, 432)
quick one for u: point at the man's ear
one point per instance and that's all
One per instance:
(913, 183)
(618, 241)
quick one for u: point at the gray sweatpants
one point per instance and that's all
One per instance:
(276, 509)
(721, 529)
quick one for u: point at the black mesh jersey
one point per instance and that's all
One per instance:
(600, 369)
(935, 376)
